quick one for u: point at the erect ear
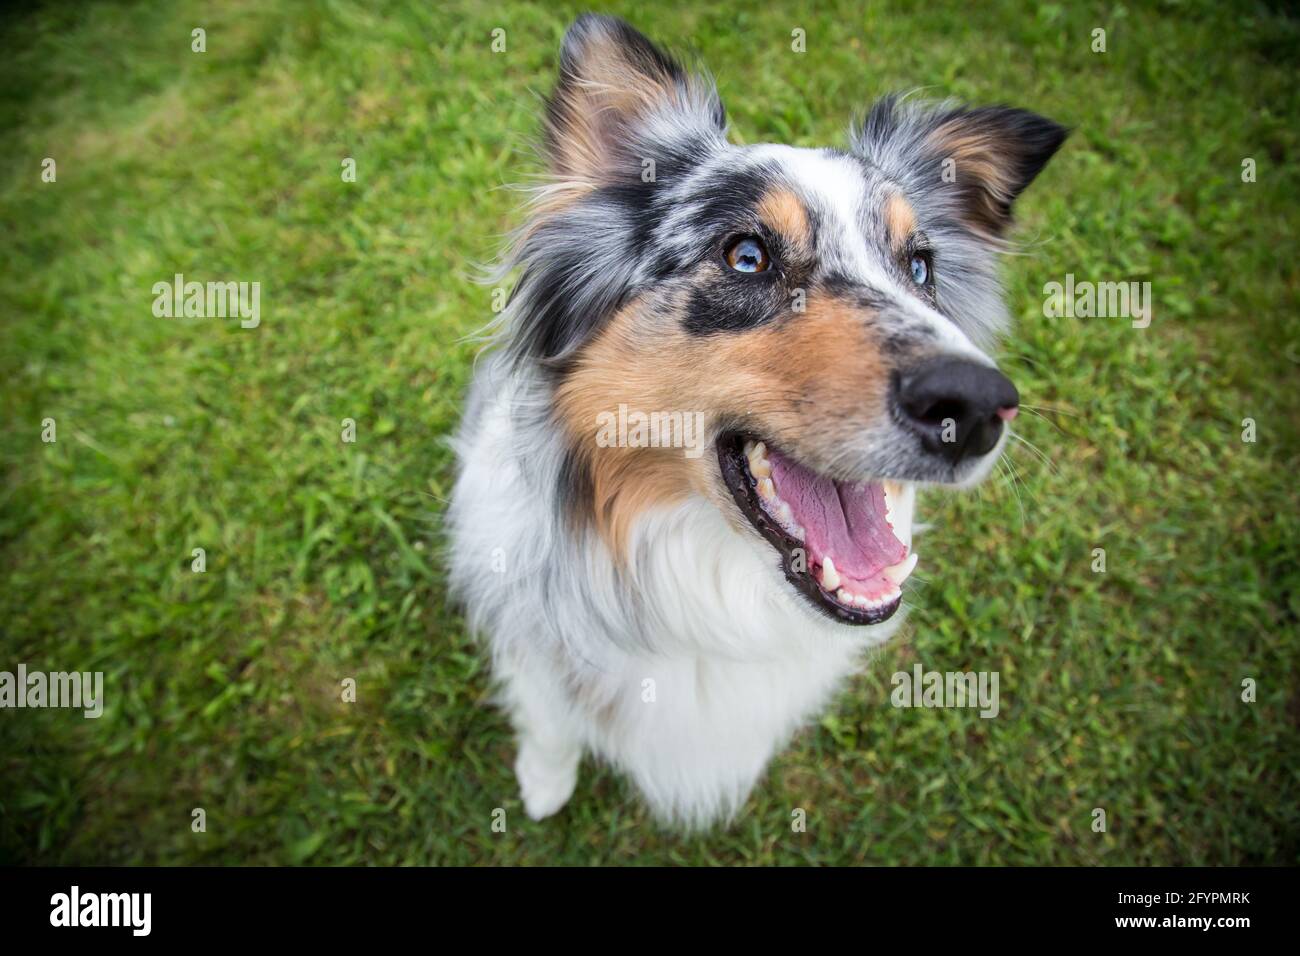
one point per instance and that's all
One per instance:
(614, 85)
(987, 155)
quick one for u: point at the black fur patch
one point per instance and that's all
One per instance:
(586, 263)
(574, 491)
(735, 302)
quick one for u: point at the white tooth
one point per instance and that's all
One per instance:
(891, 492)
(749, 448)
(898, 573)
(830, 577)
(766, 489)
(759, 466)
(785, 515)
(843, 596)
(900, 498)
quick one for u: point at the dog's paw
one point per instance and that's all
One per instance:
(545, 781)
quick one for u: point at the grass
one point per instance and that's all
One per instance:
(1120, 690)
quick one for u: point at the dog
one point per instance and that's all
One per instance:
(679, 600)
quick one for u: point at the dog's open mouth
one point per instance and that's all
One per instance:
(845, 546)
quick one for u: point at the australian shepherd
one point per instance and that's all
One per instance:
(688, 471)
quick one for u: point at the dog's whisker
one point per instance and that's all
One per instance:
(1043, 417)
(1036, 450)
(1005, 465)
(1048, 408)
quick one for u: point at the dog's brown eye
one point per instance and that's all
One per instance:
(747, 255)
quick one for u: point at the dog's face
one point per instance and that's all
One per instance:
(822, 313)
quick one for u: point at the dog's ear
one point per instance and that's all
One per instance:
(987, 156)
(614, 86)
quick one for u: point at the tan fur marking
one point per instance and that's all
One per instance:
(900, 221)
(609, 92)
(808, 383)
(783, 211)
(977, 159)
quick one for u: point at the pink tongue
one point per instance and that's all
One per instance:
(845, 521)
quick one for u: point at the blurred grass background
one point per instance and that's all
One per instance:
(1119, 690)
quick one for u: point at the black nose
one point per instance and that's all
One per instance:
(955, 405)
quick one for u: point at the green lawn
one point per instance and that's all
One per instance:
(1119, 690)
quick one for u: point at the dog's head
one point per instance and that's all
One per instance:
(815, 319)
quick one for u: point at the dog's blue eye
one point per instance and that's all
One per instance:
(747, 255)
(920, 270)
